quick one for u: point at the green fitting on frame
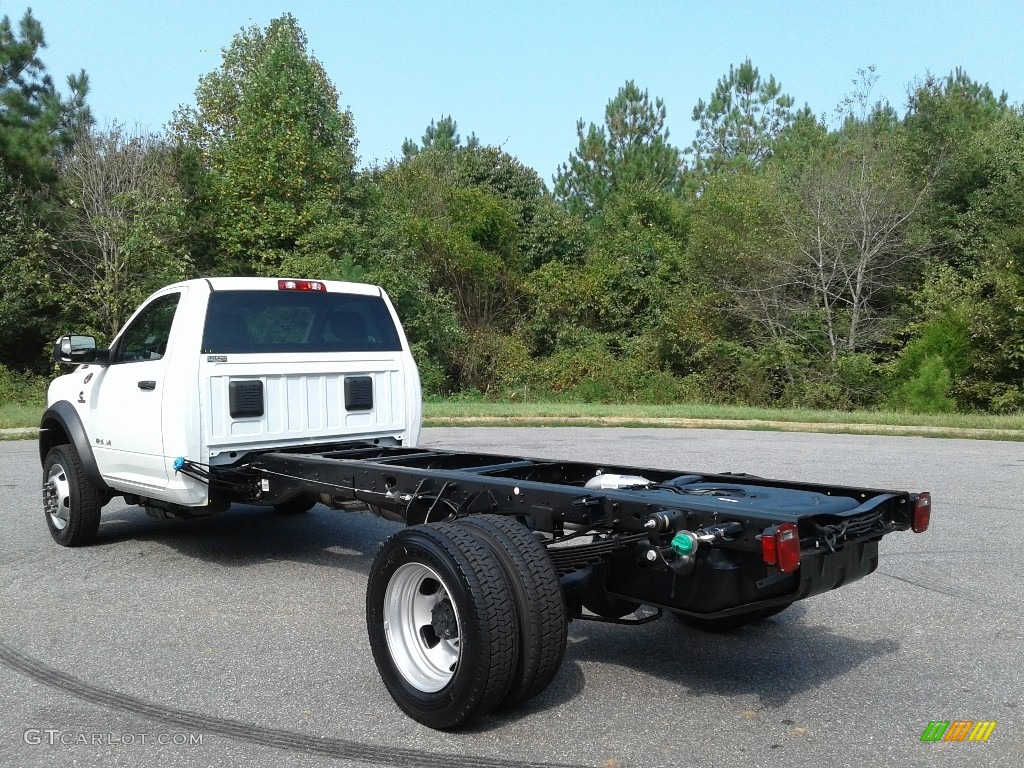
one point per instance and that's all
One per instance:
(682, 544)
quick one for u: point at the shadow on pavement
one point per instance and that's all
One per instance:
(775, 659)
(247, 535)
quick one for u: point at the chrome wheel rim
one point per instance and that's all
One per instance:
(422, 627)
(57, 497)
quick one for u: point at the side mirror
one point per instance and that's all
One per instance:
(75, 349)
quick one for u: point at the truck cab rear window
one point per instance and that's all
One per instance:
(268, 322)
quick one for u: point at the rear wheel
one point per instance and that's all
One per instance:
(441, 622)
(540, 607)
(71, 503)
(730, 623)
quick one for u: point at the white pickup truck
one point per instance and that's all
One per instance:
(286, 393)
(209, 371)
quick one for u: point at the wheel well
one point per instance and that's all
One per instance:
(61, 425)
(51, 433)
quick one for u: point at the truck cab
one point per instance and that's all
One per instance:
(212, 370)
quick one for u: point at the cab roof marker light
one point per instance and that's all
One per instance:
(301, 285)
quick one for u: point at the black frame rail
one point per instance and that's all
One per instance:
(422, 485)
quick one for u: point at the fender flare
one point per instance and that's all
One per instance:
(62, 424)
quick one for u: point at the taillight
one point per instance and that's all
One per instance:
(768, 548)
(300, 285)
(922, 514)
(780, 546)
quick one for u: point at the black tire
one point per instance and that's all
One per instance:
(730, 623)
(296, 506)
(471, 640)
(71, 504)
(540, 607)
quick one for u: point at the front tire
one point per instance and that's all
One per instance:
(440, 618)
(71, 503)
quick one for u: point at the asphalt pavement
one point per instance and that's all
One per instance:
(240, 639)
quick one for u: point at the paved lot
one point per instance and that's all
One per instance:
(246, 631)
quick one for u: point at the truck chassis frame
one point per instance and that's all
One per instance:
(629, 554)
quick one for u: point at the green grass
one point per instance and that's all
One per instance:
(12, 416)
(457, 411)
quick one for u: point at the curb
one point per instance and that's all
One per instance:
(754, 424)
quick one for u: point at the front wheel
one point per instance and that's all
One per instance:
(440, 618)
(70, 502)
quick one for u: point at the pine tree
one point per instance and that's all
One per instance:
(35, 121)
(738, 126)
(630, 149)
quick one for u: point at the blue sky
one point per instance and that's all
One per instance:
(519, 74)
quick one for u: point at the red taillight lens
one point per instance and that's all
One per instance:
(300, 285)
(787, 547)
(780, 546)
(922, 514)
(768, 547)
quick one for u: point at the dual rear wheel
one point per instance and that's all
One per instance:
(464, 617)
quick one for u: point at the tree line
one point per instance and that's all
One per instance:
(872, 258)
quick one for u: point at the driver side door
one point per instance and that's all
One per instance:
(127, 424)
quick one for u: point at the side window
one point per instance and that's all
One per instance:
(146, 338)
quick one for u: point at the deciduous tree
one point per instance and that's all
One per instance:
(121, 234)
(854, 243)
(279, 154)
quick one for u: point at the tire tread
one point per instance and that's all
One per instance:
(83, 522)
(541, 607)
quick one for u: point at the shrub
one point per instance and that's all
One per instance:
(21, 388)
(598, 368)
(432, 375)
(928, 390)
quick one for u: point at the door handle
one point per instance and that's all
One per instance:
(147, 385)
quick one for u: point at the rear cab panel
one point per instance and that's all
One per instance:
(292, 362)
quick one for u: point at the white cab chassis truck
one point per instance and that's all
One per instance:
(287, 392)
